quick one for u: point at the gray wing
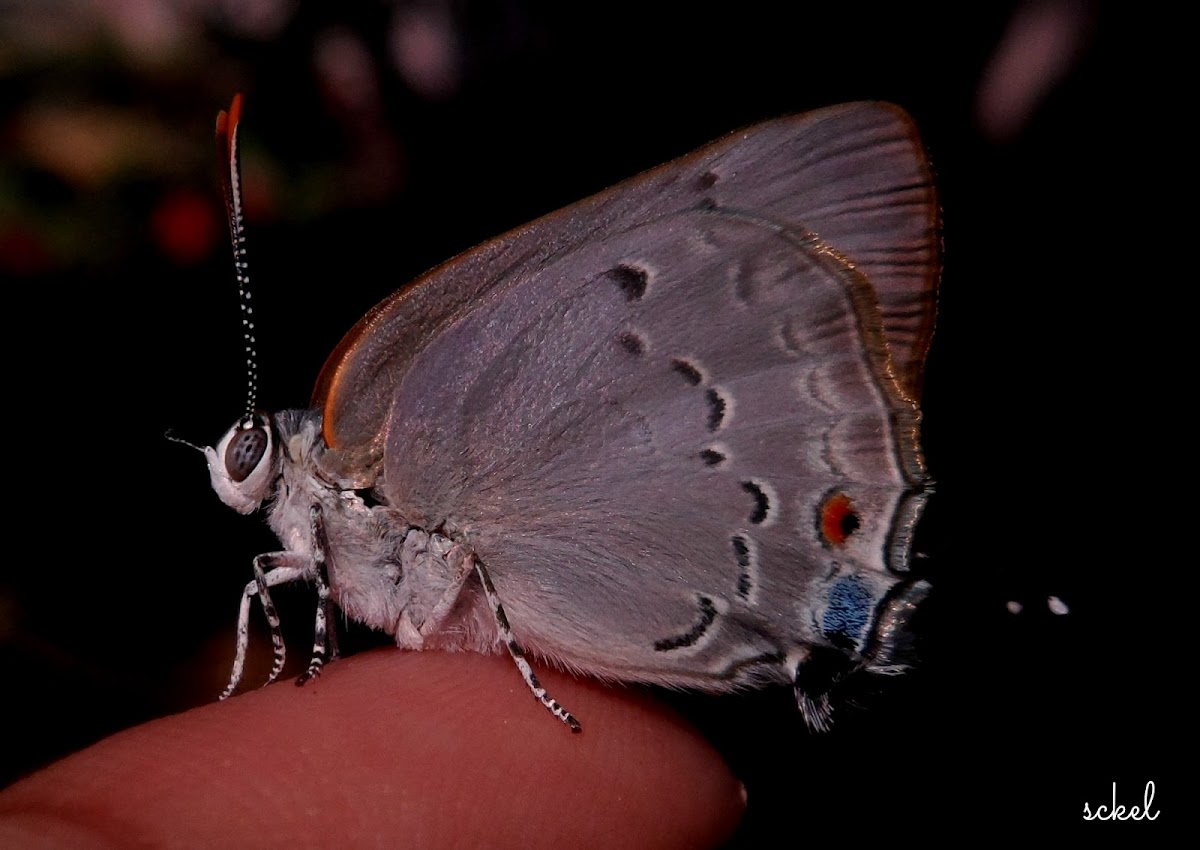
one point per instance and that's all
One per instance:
(688, 446)
(681, 450)
(854, 174)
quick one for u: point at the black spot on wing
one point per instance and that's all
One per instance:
(689, 371)
(716, 410)
(632, 343)
(741, 554)
(762, 504)
(708, 614)
(631, 280)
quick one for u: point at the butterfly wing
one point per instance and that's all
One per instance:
(854, 173)
(677, 422)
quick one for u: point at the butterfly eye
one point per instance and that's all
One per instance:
(245, 451)
(242, 464)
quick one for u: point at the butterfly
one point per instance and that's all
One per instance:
(668, 434)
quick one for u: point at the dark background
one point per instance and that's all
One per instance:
(369, 158)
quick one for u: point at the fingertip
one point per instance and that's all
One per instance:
(429, 748)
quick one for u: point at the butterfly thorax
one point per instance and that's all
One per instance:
(382, 570)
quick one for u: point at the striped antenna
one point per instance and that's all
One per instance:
(229, 158)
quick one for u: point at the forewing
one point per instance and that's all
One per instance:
(855, 175)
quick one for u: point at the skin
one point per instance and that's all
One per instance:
(391, 748)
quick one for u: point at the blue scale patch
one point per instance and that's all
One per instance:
(849, 610)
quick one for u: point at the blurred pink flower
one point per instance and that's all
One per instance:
(1042, 42)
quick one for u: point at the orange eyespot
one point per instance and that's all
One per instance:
(837, 519)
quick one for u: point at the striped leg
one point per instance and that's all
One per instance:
(271, 569)
(325, 632)
(264, 599)
(331, 618)
(519, 657)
